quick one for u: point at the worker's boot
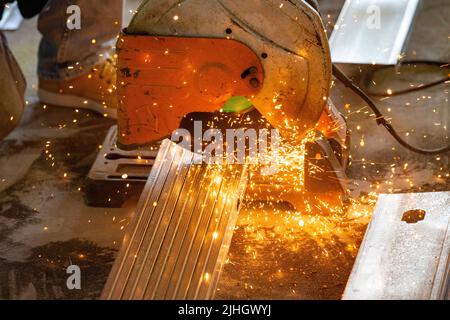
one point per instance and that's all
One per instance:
(94, 90)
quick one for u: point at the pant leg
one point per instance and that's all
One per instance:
(12, 90)
(65, 53)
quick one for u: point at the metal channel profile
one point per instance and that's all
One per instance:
(177, 242)
(405, 252)
(372, 31)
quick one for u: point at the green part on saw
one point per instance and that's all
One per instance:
(237, 104)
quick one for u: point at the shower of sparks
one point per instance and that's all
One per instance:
(265, 216)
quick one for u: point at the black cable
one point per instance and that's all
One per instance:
(409, 90)
(381, 120)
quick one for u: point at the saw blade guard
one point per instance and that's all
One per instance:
(286, 67)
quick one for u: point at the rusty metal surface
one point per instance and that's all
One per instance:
(177, 242)
(405, 252)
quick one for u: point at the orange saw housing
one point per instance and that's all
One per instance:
(162, 79)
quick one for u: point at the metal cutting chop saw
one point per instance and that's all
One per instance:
(226, 64)
(181, 61)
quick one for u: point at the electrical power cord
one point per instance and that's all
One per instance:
(414, 63)
(380, 118)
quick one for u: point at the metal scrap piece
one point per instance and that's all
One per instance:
(177, 241)
(358, 37)
(12, 18)
(401, 259)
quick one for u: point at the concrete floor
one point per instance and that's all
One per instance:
(45, 225)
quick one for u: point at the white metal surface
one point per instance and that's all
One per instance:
(372, 31)
(12, 19)
(400, 260)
